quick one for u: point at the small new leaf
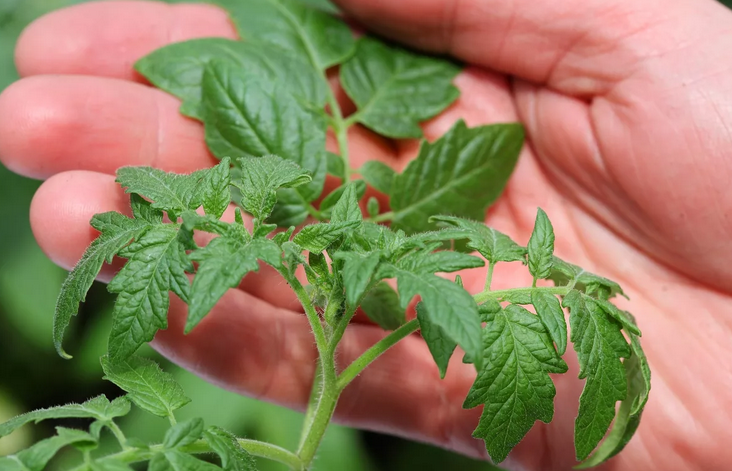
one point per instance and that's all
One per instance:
(461, 174)
(541, 247)
(233, 456)
(599, 345)
(394, 89)
(37, 456)
(357, 272)
(149, 387)
(514, 384)
(261, 177)
(347, 208)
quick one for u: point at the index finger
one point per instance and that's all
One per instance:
(107, 38)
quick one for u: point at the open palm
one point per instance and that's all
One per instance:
(629, 127)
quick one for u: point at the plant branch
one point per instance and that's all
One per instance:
(340, 127)
(384, 217)
(114, 428)
(489, 276)
(355, 368)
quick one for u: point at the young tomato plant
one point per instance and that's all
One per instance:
(266, 106)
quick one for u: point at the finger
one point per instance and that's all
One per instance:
(107, 38)
(52, 124)
(576, 46)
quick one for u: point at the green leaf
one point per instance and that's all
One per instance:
(175, 460)
(334, 196)
(214, 189)
(495, 246)
(599, 345)
(357, 272)
(449, 306)
(157, 263)
(381, 305)
(564, 273)
(336, 166)
(109, 465)
(247, 116)
(394, 89)
(291, 209)
(96, 408)
(514, 384)
(37, 456)
(318, 237)
(183, 433)
(541, 247)
(178, 69)
(222, 265)
(149, 387)
(622, 317)
(116, 232)
(347, 208)
(261, 177)
(233, 456)
(552, 316)
(629, 414)
(309, 33)
(168, 191)
(379, 175)
(438, 262)
(441, 346)
(461, 174)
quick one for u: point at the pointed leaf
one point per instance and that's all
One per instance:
(149, 387)
(357, 272)
(441, 346)
(394, 89)
(347, 208)
(490, 243)
(461, 174)
(37, 456)
(183, 433)
(379, 175)
(318, 237)
(541, 247)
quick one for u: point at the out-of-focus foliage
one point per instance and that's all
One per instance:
(33, 376)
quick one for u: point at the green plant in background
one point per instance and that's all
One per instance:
(262, 102)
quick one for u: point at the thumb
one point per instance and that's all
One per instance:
(578, 47)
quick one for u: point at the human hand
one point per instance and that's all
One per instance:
(626, 156)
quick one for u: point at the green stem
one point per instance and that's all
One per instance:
(489, 277)
(323, 414)
(500, 294)
(310, 312)
(384, 217)
(355, 368)
(114, 428)
(171, 419)
(315, 392)
(254, 447)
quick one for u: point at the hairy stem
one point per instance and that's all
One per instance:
(310, 312)
(114, 428)
(355, 368)
(315, 392)
(489, 276)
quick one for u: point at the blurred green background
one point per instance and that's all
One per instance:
(32, 375)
